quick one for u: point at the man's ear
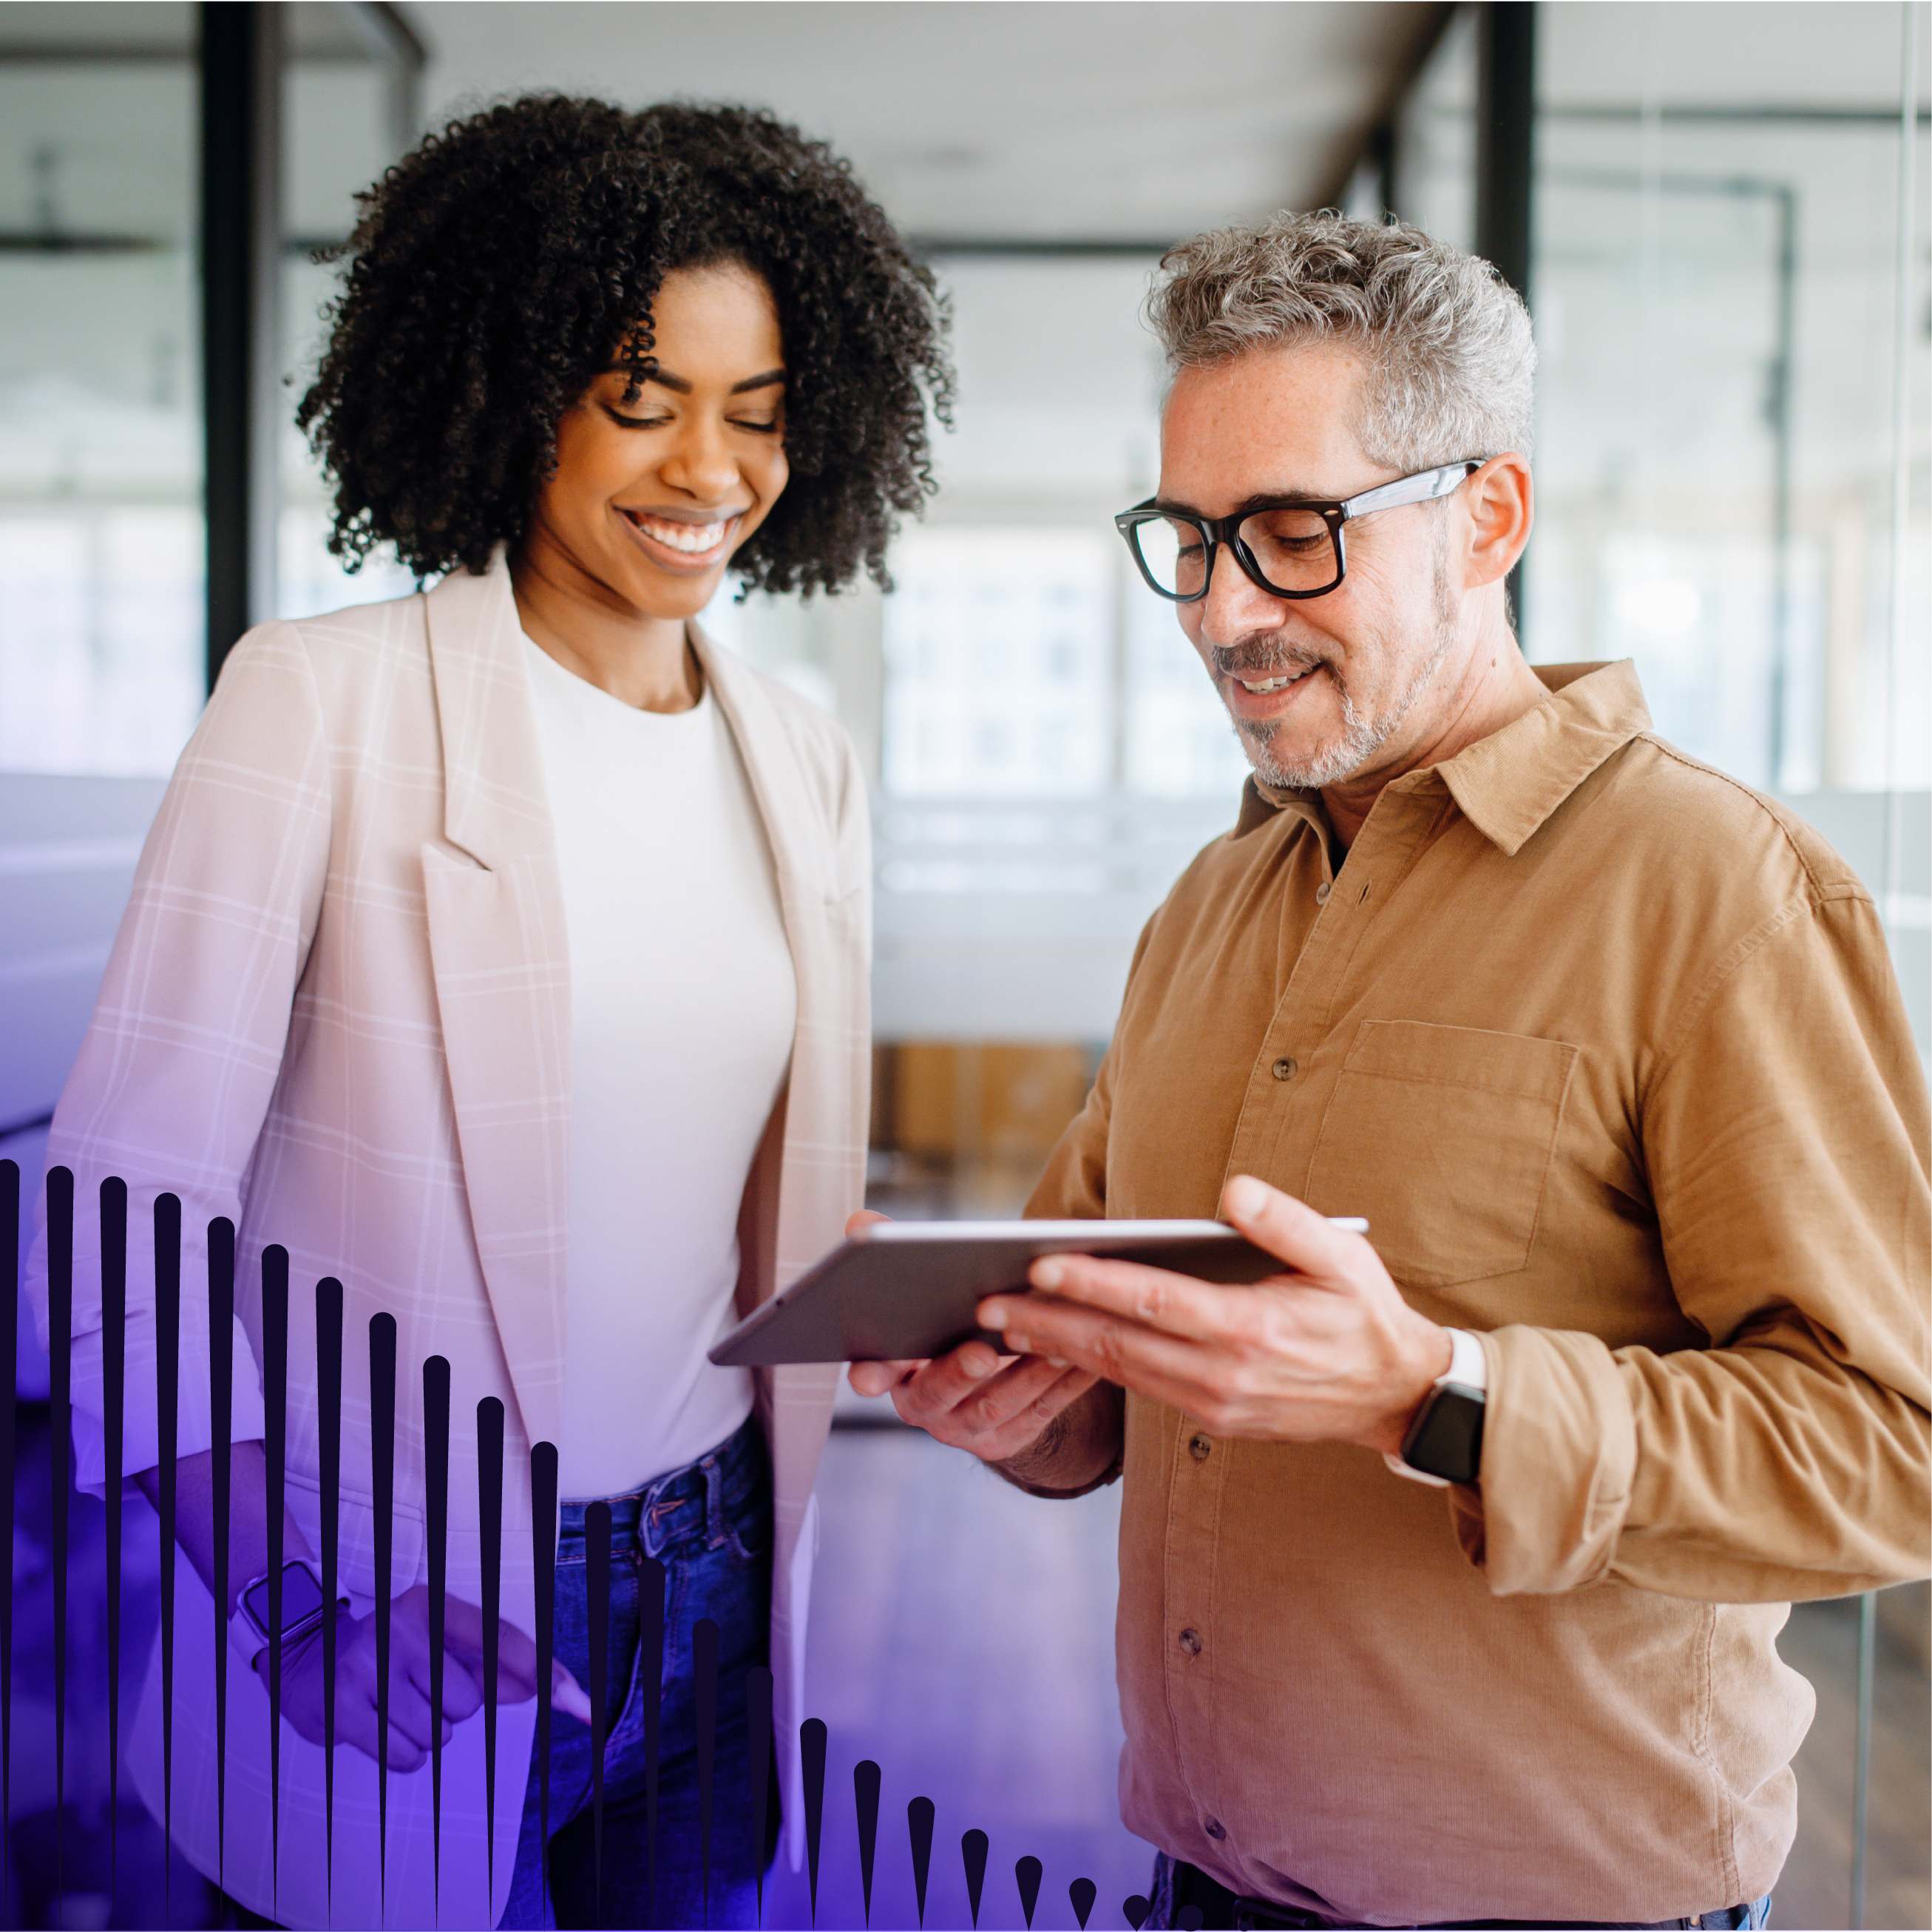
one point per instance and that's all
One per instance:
(1500, 503)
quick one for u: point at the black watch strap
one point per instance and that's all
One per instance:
(1446, 1438)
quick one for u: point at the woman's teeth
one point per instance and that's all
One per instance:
(694, 539)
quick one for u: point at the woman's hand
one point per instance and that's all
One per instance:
(412, 1724)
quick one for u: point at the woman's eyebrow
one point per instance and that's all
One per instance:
(680, 386)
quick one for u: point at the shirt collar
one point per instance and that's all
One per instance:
(1508, 784)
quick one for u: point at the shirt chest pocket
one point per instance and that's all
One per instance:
(1442, 1136)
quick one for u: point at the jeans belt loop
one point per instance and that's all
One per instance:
(652, 1534)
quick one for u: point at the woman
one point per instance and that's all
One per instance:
(502, 952)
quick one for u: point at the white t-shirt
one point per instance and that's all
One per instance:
(682, 1002)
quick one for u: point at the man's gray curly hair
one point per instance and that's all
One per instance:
(1450, 361)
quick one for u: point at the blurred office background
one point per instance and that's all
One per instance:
(1718, 213)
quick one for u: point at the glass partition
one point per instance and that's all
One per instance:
(1733, 490)
(346, 115)
(100, 537)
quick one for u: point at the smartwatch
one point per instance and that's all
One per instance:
(1444, 1442)
(250, 1632)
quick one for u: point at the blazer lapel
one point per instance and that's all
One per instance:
(499, 947)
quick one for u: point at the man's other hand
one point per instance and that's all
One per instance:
(995, 1406)
(1327, 1351)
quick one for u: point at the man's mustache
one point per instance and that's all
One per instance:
(1266, 657)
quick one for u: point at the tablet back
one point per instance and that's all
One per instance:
(901, 1290)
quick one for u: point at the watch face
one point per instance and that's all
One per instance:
(301, 1597)
(1448, 1438)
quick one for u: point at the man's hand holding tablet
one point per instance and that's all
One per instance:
(1327, 1351)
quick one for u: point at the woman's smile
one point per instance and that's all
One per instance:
(676, 540)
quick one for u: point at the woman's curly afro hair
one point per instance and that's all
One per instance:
(500, 267)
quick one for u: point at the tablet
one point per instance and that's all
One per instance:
(898, 1291)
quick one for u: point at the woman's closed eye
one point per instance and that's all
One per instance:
(635, 422)
(761, 426)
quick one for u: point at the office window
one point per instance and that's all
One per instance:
(1435, 147)
(999, 664)
(341, 127)
(1179, 742)
(1714, 284)
(100, 539)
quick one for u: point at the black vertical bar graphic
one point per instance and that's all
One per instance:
(972, 1849)
(328, 1299)
(60, 1380)
(597, 1604)
(490, 1553)
(221, 1412)
(275, 1419)
(811, 1746)
(435, 1517)
(382, 1500)
(1134, 1909)
(704, 1705)
(543, 1560)
(918, 1827)
(758, 1730)
(1027, 1875)
(650, 1670)
(1083, 1892)
(113, 1425)
(9, 1230)
(865, 1777)
(167, 1433)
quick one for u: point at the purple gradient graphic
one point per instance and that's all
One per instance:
(854, 1872)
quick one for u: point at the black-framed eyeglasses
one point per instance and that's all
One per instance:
(1291, 548)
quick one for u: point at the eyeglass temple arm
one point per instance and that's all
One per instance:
(1422, 488)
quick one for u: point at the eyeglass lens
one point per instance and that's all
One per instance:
(1295, 548)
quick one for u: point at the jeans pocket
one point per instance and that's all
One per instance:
(749, 1538)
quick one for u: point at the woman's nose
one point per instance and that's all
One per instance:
(700, 462)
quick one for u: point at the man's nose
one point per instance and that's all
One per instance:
(1236, 606)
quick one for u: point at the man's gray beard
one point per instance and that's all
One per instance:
(1361, 737)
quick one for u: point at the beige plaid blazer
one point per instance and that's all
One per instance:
(337, 1013)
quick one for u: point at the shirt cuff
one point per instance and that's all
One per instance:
(1469, 1368)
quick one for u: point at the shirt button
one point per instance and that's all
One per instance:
(1321, 892)
(1198, 1447)
(1214, 1828)
(1285, 1069)
(1190, 1642)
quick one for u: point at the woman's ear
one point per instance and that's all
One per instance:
(1500, 503)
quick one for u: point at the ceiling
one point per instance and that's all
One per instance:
(1094, 120)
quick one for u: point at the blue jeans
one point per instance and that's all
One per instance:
(710, 1526)
(1183, 1891)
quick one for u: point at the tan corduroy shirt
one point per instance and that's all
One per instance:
(1609, 1050)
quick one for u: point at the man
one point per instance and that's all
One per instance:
(1608, 1050)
